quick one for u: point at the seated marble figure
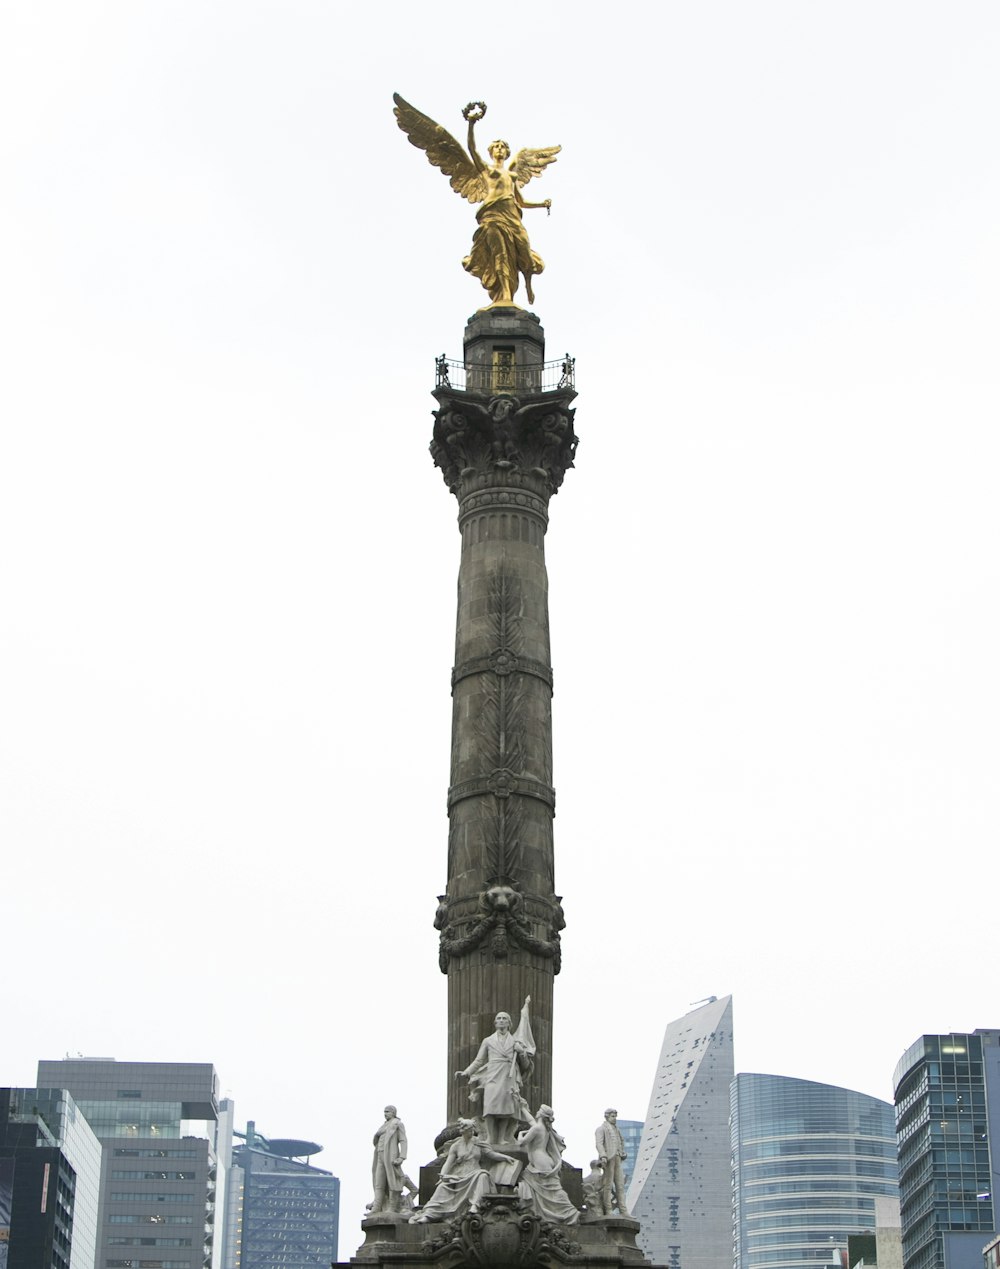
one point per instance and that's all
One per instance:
(463, 1180)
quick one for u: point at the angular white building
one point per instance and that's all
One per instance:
(681, 1188)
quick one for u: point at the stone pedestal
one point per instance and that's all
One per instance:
(501, 1236)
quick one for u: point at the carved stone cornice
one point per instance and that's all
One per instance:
(483, 440)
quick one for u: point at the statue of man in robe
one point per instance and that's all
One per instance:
(388, 1178)
(495, 1074)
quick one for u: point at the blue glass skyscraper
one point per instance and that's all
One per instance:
(947, 1091)
(809, 1160)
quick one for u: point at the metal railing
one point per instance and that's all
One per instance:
(548, 376)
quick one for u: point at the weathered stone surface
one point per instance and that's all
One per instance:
(502, 1235)
(503, 446)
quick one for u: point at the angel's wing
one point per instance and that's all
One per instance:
(441, 149)
(529, 163)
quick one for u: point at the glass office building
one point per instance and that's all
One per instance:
(283, 1213)
(808, 1163)
(53, 1178)
(631, 1131)
(165, 1141)
(947, 1090)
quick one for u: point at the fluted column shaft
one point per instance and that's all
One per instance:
(503, 456)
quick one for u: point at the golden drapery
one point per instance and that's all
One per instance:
(501, 251)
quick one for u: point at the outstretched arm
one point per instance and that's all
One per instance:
(521, 203)
(472, 113)
(476, 158)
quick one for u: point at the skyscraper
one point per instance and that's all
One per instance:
(50, 1170)
(809, 1161)
(947, 1092)
(631, 1131)
(680, 1188)
(282, 1212)
(163, 1157)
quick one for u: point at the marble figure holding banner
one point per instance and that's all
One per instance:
(496, 1072)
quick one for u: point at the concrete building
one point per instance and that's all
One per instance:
(883, 1245)
(165, 1141)
(809, 1162)
(680, 1188)
(50, 1170)
(282, 1212)
(947, 1092)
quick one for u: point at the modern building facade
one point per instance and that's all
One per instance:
(50, 1169)
(809, 1162)
(165, 1143)
(947, 1092)
(680, 1189)
(282, 1212)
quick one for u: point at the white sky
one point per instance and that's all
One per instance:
(228, 564)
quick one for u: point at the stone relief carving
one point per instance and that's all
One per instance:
(501, 1235)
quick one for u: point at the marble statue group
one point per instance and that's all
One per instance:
(503, 1149)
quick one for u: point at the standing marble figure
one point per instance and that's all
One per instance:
(387, 1163)
(611, 1148)
(495, 1074)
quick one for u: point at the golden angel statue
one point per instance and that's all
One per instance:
(500, 253)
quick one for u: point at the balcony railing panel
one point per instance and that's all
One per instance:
(496, 380)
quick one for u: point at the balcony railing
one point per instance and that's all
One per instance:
(492, 380)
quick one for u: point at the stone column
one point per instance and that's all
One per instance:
(503, 444)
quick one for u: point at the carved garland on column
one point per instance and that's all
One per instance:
(500, 728)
